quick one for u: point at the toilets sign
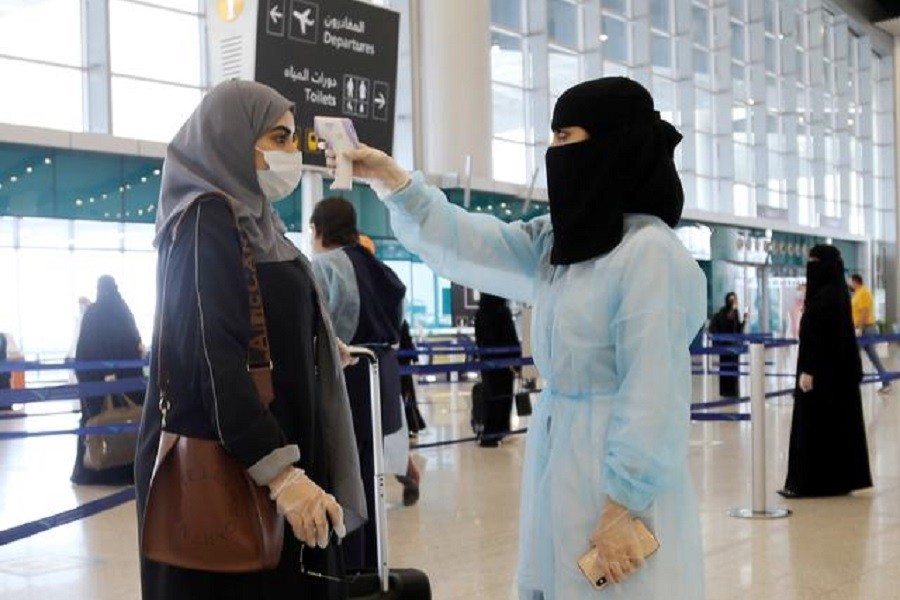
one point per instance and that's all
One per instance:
(333, 58)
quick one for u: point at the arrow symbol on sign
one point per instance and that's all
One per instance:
(275, 14)
(380, 100)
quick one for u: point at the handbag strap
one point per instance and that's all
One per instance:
(259, 358)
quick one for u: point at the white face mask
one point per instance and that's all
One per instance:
(283, 175)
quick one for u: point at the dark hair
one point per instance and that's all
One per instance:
(857, 278)
(335, 221)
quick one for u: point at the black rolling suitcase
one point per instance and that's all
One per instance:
(384, 583)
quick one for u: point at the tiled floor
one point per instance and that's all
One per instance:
(463, 532)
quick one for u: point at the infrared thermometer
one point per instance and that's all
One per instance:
(340, 135)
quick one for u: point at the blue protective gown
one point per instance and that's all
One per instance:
(610, 336)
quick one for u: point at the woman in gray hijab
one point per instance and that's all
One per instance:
(234, 156)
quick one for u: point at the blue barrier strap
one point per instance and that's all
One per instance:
(462, 367)
(720, 416)
(492, 436)
(72, 392)
(475, 350)
(25, 530)
(720, 350)
(97, 365)
(720, 403)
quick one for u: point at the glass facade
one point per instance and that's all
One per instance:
(785, 105)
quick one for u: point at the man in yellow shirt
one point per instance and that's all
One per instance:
(863, 305)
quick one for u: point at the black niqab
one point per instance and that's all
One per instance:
(625, 166)
(826, 270)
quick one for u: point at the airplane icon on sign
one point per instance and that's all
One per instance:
(304, 19)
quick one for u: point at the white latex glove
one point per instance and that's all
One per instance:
(806, 382)
(617, 543)
(374, 167)
(347, 359)
(307, 508)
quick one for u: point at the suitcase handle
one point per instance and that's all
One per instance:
(380, 518)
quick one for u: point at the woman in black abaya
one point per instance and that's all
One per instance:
(728, 321)
(828, 451)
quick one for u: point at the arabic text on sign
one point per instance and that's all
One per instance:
(345, 24)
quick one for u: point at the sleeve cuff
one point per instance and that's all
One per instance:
(633, 495)
(268, 467)
(402, 194)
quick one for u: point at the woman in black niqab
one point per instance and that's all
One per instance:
(728, 321)
(109, 333)
(828, 451)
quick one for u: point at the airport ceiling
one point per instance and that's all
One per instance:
(876, 10)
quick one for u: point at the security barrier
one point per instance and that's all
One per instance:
(752, 345)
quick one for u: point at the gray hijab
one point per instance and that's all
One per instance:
(213, 152)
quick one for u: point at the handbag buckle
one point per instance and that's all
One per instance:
(164, 406)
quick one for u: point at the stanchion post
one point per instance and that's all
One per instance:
(758, 509)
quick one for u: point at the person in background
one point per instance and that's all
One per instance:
(364, 298)
(414, 419)
(233, 157)
(5, 376)
(863, 307)
(728, 321)
(828, 451)
(617, 299)
(494, 328)
(108, 333)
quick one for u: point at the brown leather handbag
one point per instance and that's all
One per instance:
(203, 510)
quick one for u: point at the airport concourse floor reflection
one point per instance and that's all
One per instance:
(463, 531)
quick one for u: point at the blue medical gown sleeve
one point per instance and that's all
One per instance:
(475, 250)
(336, 278)
(648, 433)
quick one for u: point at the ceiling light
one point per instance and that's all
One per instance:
(156, 172)
(91, 200)
(47, 161)
(13, 179)
(604, 37)
(143, 180)
(28, 169)
(79, 202)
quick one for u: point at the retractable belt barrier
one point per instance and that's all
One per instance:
(754, 344)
